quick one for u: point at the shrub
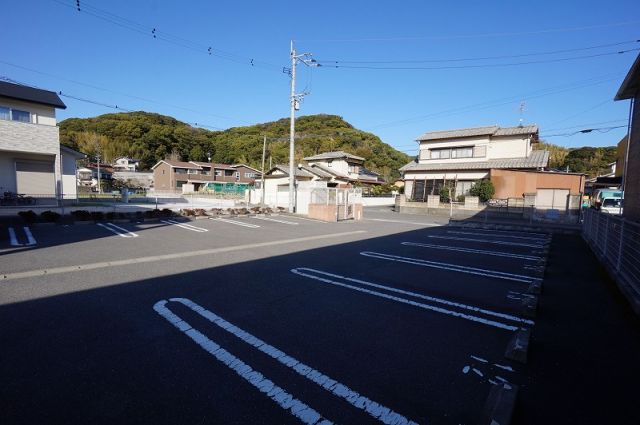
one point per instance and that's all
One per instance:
(110, 215)
(483, 189)
(97, 215)
(188, 212)
(460, 198)
(28, 216)
(81, 215)
(50, 216)
(200, 212)
(166, 212)
(445, 194)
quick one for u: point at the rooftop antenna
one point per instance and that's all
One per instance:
(523, 106)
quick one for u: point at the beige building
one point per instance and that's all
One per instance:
(461, 157)
(30, 159)
(170, 175)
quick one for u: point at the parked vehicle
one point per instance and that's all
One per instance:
(611, 205)
(600, 194)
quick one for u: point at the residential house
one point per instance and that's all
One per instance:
(30, 159)
(459, 158)
(88, 176)
(344, 168)
(170, 175)
(630, 89)
(125, 163)
(69, 158)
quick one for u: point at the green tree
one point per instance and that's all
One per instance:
(483, 189)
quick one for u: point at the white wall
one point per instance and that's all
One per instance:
(40, 114)
(496, 148)
(69, 182)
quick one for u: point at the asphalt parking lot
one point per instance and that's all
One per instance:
(280, 319)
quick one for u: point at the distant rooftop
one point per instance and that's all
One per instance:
(30, 94)
(537, 159)
(492, 130)
(333, 155)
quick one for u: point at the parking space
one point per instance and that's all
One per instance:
(395, 326)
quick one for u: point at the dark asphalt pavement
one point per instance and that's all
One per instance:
(416, 330)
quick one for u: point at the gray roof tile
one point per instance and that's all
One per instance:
(537, 159)
(492, 130)
(333, 155)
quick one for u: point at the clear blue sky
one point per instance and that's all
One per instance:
(52, 37)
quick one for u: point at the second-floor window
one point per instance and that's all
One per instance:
(229, 173)
(466, 152)
(11, 114)
(218, 173)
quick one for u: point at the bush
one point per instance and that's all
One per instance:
(188, 212)
(166, 212)
(28, 216)
(50, 216)
(445, 194)
(97, 215)
(81, 215)
(460, 198)
(110, 215)
(483, 189)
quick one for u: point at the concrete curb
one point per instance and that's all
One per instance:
(529, 306)
(518, 346)
(500, 404)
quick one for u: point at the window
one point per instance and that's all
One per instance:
(218, 173)
(22, 116)
(329, 163)
(462, 152)
(237, 175)
(192, 171)
(5, 113)
(181, 171)
(249, 175)
(440, 153)
(228, 173)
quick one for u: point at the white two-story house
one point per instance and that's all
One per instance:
(344, 168)
(458, 158)
(30, 157)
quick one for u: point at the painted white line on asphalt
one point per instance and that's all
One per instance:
(120, 231)
(457, 232)
(185, 226)
(12, 237)
(174, 256)
(511, 232)
(298, 217)
(453, 238)
(276, 220)
(285, 400)
(378, 411)
(30, 239)
(474, 251)
(331, 279)
(451, 267)
(405, 222)
(237, 223)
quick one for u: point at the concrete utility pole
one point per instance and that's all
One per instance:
(306, 59)
(264, 151)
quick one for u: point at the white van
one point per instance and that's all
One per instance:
(611, 206)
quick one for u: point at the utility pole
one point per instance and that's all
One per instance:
(264, 151)
(306, 59)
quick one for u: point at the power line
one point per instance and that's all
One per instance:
(584, 131)
(501, 101)
(494, 65)
(485, 35)
(93, 86)
(553, 52)
(86, 8)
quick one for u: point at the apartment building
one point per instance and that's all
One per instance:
(170, 175)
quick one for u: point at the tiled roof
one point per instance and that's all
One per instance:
(213, 165)
(330, 172)
(493, 130)
(181, 164)
(285, 170)
(31, 94)
(537, 159)
(333, 155)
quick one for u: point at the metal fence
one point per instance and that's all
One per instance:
(616, 242)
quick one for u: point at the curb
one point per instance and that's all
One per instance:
(500, 404)
(518, 346)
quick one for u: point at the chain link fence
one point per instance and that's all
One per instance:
(616, 243)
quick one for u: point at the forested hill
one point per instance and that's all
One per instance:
(152, 137)
(591, 161)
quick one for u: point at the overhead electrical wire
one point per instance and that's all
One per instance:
(93, 86)
(149, 31)
(476, 66)
(479, 58)
(585, 131)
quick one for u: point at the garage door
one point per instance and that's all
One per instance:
(552, 199)
(35, 178)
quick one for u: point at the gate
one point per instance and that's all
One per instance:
(341, 202)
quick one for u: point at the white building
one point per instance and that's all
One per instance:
(461, 157)
(30, 159)
(344, 167)
(126, 164)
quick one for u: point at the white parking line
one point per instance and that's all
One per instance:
(120, 231)
(405, 222)
(451, 267)
(511, 232)
(30, 239)
(12, 237)
(293, 223)
(302, 411)
(457, 232)
(331, 279)
(185, 226)
(474, 251)
(453, 238)
(237, 223)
